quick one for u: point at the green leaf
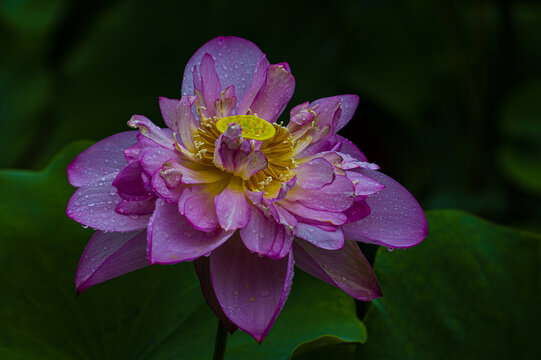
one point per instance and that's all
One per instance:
(520, 154)
(154, 313)
(326, 347)
(469, 290)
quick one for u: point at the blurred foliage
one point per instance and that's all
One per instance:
(449, 96)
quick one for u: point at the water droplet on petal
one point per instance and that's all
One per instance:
(265, 293)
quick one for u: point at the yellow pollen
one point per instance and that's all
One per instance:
(252, 126)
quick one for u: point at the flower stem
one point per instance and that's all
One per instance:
(220, 342)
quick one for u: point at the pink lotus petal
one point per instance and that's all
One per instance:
(152, 159)
(94, 206)
(101, 159)
(315, 174)
(226, 104)
(129, 182)
(163, 137)
(241, 158)
(250, 289)
(210, 83)
(172, 238)
(108, 255)
(275, 93)
(334, 197)
(345, 268)
(357, 211)
(235, 61)
(364, 185)
(396, 219)
(299, 209)
(178, 116)
(265, 237)
(232, 209)
(202, 269)
(136, 207)
(349, 104)
(259, 77)
(197, 205)
(347, 147)
(143, 143)
(166, 193)
(331, 240)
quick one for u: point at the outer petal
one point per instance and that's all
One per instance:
(275, 93)
(266, 237)
(345, 268)
(250, 289)
(396, 219)
(101, 159)
(94, 205)
(172, 239)
(235, 60)
(108, 255)
(202, 269)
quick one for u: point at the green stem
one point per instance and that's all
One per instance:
(220, 342)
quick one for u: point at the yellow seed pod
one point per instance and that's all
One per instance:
(252, 126)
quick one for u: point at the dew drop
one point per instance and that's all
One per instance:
(265, 293)
(343, 278)
(91, 204)
(85, 226)
(133, 216)
(236, 293)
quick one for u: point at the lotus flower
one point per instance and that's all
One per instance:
(244, 197)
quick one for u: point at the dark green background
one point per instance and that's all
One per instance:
(450, 106)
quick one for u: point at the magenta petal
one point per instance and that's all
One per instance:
(198, 207)
(136, 207)
(275, 93)
(108, 255)
(173, 239)
(259, 77)
(396, 219)
(349, 105)
(336, 196)
(345, 268)
(265, 237)
(347, 147)
(159, 186)
(94, 206)
(210, 83)
(364, 185)
(331, 240)
(232, 209)
(130, 182)
(101, 159)
(163, 137)
(235, 60)
(297, 208)
(250, 289)
(315, 174)
(202, 269)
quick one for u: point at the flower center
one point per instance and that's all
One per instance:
(252, 126)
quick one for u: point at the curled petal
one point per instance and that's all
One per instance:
(345, 268)
(275, 93)
(172, 238)
(250, 289)
(108, 255)
(196, 203)
(94, 206)
(266, 237)
(178, 116)
(101, 159)
(226, 104)
(235, 61)
(130, 184)
(396, 219)
(163, 137)
(164, 191)
(349, 104)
